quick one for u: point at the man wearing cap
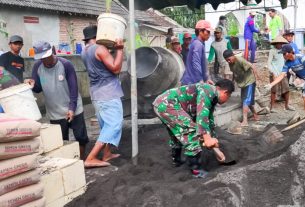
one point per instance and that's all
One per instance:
(288, 35)
(294, 62)
(249, 30)
(196, 63)
(245, 75)
(169, 35)
(275, 64)
(218, 46)
(176, 46)
(106, 93)
(222, 24)
(275, 24)
(187, 38)
(11, 60)
(56, 78)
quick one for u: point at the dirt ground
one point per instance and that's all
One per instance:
(263, 175)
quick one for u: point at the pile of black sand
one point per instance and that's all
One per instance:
(264, 175)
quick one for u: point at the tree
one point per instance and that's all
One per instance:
(184, 16)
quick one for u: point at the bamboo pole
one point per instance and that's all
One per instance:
(134, 100)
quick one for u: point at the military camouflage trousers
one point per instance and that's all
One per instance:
(182, 128)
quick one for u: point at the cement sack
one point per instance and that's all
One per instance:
(13, 129)
(20, 148)
(22, 196)
(15, 166)
(19, 181)
(38, 203)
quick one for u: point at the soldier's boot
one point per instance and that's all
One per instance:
(176, 156)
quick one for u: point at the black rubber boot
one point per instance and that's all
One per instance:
(176, 156)
(194, 162)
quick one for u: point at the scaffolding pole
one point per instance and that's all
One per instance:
(133, 73)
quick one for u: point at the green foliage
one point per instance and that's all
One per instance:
(108, 6)
(184, 16)
(232, 25)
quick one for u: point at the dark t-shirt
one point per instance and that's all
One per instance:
(13, 63)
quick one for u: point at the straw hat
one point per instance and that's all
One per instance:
(279, 39)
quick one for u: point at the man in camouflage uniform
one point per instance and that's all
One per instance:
(187, 112)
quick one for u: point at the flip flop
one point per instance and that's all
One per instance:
(199, 173)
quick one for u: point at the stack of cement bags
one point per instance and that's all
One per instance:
(19, 177)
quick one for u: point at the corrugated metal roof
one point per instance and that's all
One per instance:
(87, 7)
(150, 17)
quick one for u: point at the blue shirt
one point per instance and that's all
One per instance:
(297, 66)
(250, 28)
(294, 47)
(196, 64)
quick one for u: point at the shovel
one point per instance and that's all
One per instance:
(221, 157)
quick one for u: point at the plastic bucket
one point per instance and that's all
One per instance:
(110, 27)
(19, 101)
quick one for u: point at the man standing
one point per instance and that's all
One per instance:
(56, 78)
(187, 38)
(222, 24)
(176, 46)
(249, 30)
(187, 112)
(106, 93)
(288, 35)
(196, 63)
(275, 64)
(11, 60)
(245, 75)
(218, 46)
(275, 24)
(168, 40)
(294, 62)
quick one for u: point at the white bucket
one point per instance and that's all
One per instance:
(110, 27)
(19, 101)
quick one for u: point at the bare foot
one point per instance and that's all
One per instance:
(244, 124)
(96, 163)
(255, 117)
(110, 157)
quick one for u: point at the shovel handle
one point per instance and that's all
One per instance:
(219, 154)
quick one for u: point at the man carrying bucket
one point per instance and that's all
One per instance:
(56, 78)
(106, 93)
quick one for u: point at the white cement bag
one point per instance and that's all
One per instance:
(19, 148)
(22, 196)
(15, 166)
(38, 203)
(19, 181)
(13, 129)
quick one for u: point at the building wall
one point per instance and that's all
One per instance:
(71, 28)
(47, 28)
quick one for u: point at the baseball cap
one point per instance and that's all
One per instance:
(218, 29)
(203, 24)
(286, 49)
(187, 35)
(288, 32)
(42, 50)
(227, 54)
(16, 38)
(175, 40)
(253, 13)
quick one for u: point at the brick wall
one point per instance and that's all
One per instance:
(75, 23)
